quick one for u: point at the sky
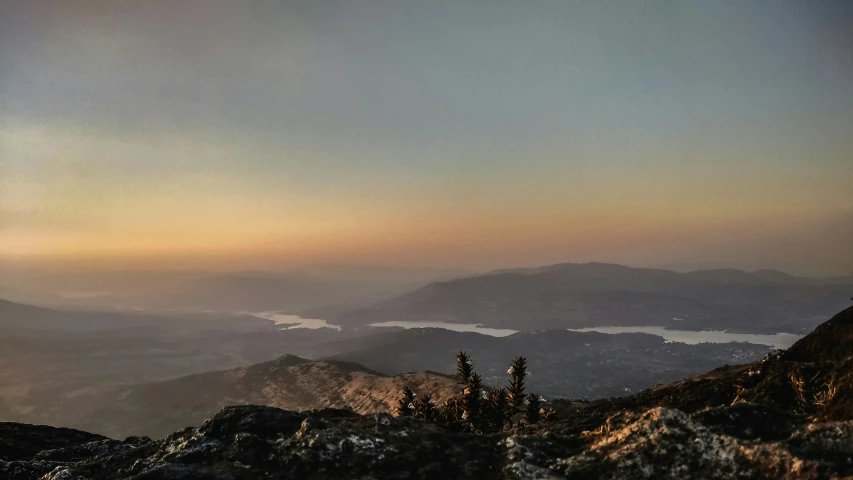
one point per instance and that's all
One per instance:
(466, 134)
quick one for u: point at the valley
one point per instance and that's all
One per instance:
(785, 416)
(61, 368)
(61, 365)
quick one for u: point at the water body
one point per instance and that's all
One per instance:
(778, 340)
(456, 327)
(289, 322)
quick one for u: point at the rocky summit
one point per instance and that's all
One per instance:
(787, 416)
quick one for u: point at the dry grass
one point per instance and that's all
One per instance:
(799, 386)
(825, 396)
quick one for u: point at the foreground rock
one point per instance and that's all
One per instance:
(252, 442)
(787, 417)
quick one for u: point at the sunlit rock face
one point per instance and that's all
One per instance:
(782, 418)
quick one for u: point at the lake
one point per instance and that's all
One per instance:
(778, 340)
(294, 321)
(456, 327)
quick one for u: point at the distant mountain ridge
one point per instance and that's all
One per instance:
(611, 271)
(15, 315)
(598, 294)
(236, 291)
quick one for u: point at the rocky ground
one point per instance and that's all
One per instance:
(788, 416)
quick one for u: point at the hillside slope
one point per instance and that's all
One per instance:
(49, 357)
(289, 382)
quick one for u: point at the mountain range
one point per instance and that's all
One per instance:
(597, 294)
(556, 296)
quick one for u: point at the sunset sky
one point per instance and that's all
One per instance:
(472, 134)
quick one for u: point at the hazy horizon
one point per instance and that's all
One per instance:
(78, 269)
(474, 135)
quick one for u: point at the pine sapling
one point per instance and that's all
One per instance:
(497, 409)
(518, 372)
(471, 400)
(406, 403)
(464, 367)
(533, 409)
(424, 408)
